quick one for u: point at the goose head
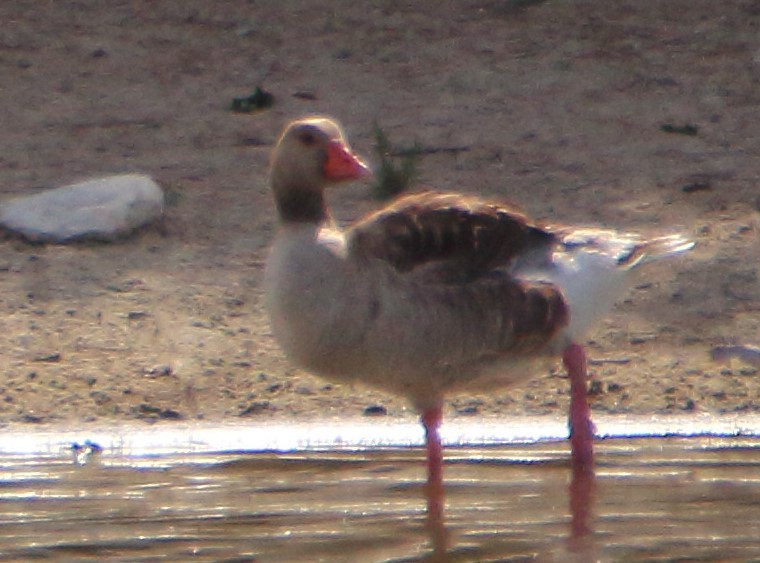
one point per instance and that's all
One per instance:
(311, 155)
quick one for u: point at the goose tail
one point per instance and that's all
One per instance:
(658, 249)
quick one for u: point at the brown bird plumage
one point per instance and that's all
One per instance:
(435, 292)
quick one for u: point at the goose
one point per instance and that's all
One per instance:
(436, 293)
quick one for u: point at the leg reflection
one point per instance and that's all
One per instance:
(434, 491)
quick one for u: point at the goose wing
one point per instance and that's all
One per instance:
(450, 237)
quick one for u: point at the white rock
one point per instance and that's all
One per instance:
(103, 208)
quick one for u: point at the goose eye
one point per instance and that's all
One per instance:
(307, 138)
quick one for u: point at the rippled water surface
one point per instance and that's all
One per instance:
(349, 499)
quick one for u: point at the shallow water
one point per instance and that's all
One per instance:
(361, 497)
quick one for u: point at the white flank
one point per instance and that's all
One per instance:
(593, 270)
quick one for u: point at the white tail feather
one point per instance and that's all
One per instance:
(664, 247)
(592, 268)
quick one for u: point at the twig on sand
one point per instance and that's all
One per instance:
(749, 354)
(429, 150)
(601, 361)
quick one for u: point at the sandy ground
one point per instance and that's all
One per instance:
(559, 107)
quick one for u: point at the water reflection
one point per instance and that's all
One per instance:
(580, 494)
(652, 499)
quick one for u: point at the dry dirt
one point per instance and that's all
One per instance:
(559, 107)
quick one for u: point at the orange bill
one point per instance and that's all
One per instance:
(342, 164)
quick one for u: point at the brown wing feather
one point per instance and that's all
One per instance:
(457, 238)
(517, 316)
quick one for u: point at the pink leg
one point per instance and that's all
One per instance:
(582, 445)
(431, 420)
(581, 427)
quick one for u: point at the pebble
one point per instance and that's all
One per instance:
(254, 408)
(595, 388)
(148, 411)
(170, 414)
(103, 208)
(100, 398)
(82, 454)
(375, 410)
(161, 370)
(688, 405)
(31, 418)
